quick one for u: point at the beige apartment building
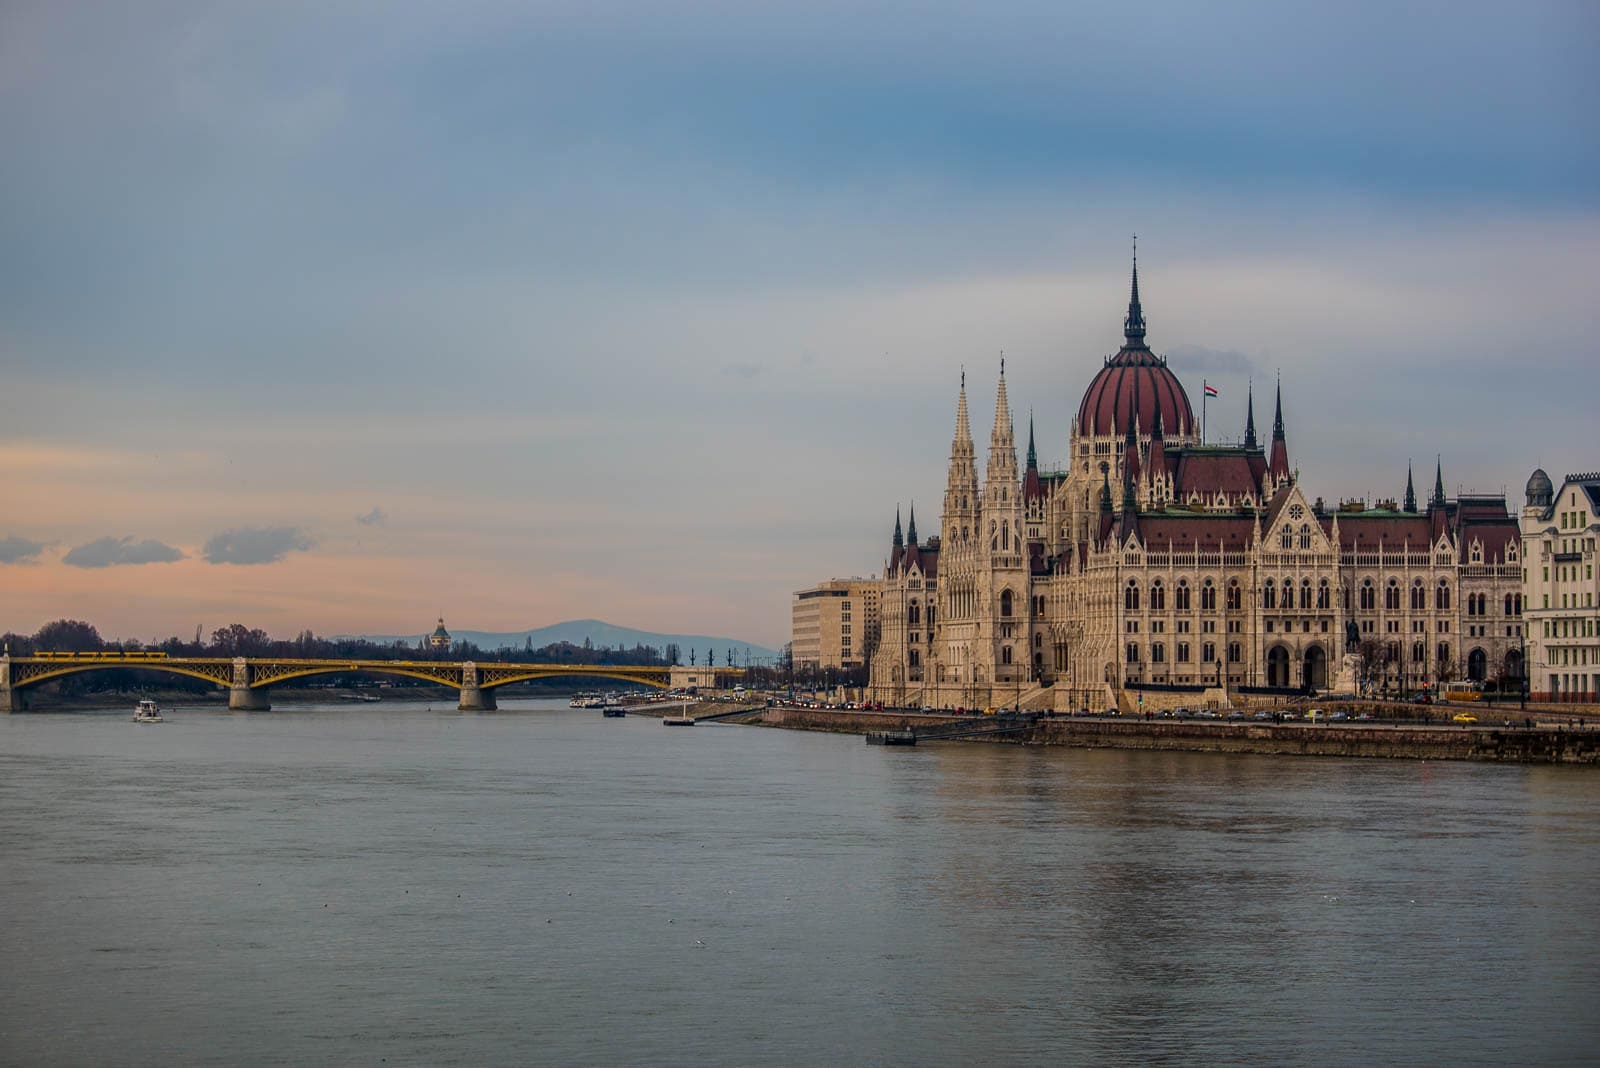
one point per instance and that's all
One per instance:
(835, 624)
(1559, 528)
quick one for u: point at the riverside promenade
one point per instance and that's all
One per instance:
(1540, 744)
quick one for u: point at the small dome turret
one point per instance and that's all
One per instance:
(1540, 490)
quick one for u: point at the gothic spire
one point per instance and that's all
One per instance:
(1277, 418)
(1438, 482)
(899, 540)
(963, 429)
(1411, 491)
(911, 531)
(1105, 491)
(1033, 454)
(1250, 417)
(1133, 325)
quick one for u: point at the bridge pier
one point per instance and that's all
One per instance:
(244, 699)
(476, 699)
(12, 700)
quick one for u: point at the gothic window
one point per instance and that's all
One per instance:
(1483, 604)
(1235, 596)
(1208, 652)
(1324, 595)
(1418, 600)
(1208, 597)
(1441, 598)
(1005, 654)
(1286, 539)
(1305, 536)
(913, 614)
(1158, 653)
(1183, 652)
(1235, 652)
(1508, 604)
(1305, 594)
(1441, 655)
(1158, 597)
(1369, 597)
(1130, 597)
(1269, 596)
(915, 658)
(1391, 596)
(1133, 652)
(1419, 652)
(994, 537)
(1005, 603)
(1183, 595)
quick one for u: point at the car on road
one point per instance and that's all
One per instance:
(1262, 715)
(1365, 717)
(1463, 717)
(1235, 714)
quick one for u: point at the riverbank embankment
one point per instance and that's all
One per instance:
(1536, 745)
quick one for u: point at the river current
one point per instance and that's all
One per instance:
(392, 883)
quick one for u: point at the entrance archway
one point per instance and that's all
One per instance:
(1315, 669)
(1278, 666)
(1477, 664)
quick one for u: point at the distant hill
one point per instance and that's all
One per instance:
(599, 634)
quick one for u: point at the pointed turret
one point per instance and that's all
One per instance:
(899, 539)
(1133, 325)
(1002, 469)
(1105, 492)
(911, 531)
(1031, 487)
(1278, 462)
(1250, 417)
(1411, 491)
(961, 488)
(1438, 483)
(1158, 458)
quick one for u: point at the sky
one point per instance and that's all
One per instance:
(348, 315)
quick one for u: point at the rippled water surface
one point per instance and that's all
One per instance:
(541, 885)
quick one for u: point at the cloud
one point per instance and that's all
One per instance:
(113, 552)
(375, 518)
(256, 545)
(1220, 361)
(15, 550)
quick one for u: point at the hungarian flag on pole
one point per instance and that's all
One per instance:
(1211, 391)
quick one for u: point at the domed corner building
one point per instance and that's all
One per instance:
(440, 638)
(1559, 531)
(1154, 568)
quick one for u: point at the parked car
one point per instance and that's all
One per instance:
(1338, 717)
(1235, 714)
(1463, 717)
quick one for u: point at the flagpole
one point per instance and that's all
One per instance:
(1203, 395)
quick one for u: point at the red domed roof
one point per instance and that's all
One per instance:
(1135, 382)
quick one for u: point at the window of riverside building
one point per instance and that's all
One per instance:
(1208, 652)
(1183, 652)
(1182, 596)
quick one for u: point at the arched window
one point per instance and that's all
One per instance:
(1441, 655)
(1483, 604)
(1286, 539)
(1368, 596)
(1418, 652)
(1005, 654)
(1158, 653)
(1130, 596)
(1269, 595)
(1005, 603)
(1305, 594)
(1441, 598)
(1305, 536)
(1158, 597)
(1418, 601)
(1133, 652)
(1183, 595)
(1508, 604)
(1324, 595)
(1391, 596)
(1235, 595)
(913, 614)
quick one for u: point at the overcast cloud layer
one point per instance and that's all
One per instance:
(654, 312)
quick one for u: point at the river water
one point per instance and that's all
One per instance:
(395, 884)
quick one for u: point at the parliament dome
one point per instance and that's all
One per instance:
(1135, 384)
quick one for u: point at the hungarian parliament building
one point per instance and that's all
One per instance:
(1155, 561)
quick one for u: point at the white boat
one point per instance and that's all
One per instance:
(146, 712)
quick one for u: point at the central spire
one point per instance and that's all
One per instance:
(1133, 325)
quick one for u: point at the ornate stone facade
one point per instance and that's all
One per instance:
(1559, 529)
(1156, 561)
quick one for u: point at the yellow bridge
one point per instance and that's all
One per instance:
(247, 678)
